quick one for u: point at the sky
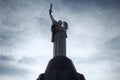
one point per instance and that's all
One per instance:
(93, 42)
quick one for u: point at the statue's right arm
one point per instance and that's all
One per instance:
(53, 20)
(50, 11)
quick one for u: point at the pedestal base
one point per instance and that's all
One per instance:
(61, 68)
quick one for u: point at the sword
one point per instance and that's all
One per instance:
(50, 10)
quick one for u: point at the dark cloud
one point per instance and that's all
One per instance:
(10, 67)
(11, 70)
(113, 44)
(6, 58)
(91, 3)
(100, 58)
(27, 60)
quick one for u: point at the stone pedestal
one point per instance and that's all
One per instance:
(61, 68)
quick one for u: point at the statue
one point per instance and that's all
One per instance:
(60, 67)
(57, 25)
(58, 35)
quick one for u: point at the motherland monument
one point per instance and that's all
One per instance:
(59, 67)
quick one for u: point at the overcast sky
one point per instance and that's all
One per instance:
(93, 42)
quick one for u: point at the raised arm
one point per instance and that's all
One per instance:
(50, 11)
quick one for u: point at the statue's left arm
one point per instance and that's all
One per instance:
(65, 25)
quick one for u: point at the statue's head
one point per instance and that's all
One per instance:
(59, 22)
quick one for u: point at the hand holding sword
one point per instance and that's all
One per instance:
(50, 10)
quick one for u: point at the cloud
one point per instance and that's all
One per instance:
(32, 60)
(19, 20)
(27, 60)
(93, 36)
(88, 3)
(9, 67)
(113, 44)
(6, 58)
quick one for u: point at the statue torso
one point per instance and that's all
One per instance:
(56, 28)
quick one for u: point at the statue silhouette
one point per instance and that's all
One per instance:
(57, 25)
(60, 67)
(59, 35)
